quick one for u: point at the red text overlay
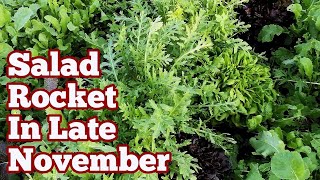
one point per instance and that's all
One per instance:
(28, 159)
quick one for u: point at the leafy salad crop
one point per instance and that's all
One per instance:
(180, 69)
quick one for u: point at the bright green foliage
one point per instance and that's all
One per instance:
(179, 68)
(21, 17)
(289, 165)
(176, 64)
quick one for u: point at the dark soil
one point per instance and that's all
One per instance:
(3, 159)
(259, 13)
(214, 163)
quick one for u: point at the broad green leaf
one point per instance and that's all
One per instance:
(254, 173)
(310, 163)
(5, 49)
(289, 165)
(272, 176)
(5, 16)
(34, 8)
(21, 17)
(269, 31)
(307, 66)
(54, 21)
(296, 9)
(267, 143)
(304, 49)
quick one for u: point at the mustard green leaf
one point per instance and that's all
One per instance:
(21, 17)
(269, 31)
(289, 165)
(267, 143)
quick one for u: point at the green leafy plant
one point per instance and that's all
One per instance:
(153, 57)
(297, 69)
(180, 68)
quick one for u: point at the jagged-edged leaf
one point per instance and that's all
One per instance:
(289, 165)
(269, 31)
(267, 143)
(254, 173)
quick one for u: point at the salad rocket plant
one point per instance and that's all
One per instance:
(180, 68)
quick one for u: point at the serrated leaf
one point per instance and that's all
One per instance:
(21, 17)
(304, 49)
(267, 143)
(289, 165)
(269, 31)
